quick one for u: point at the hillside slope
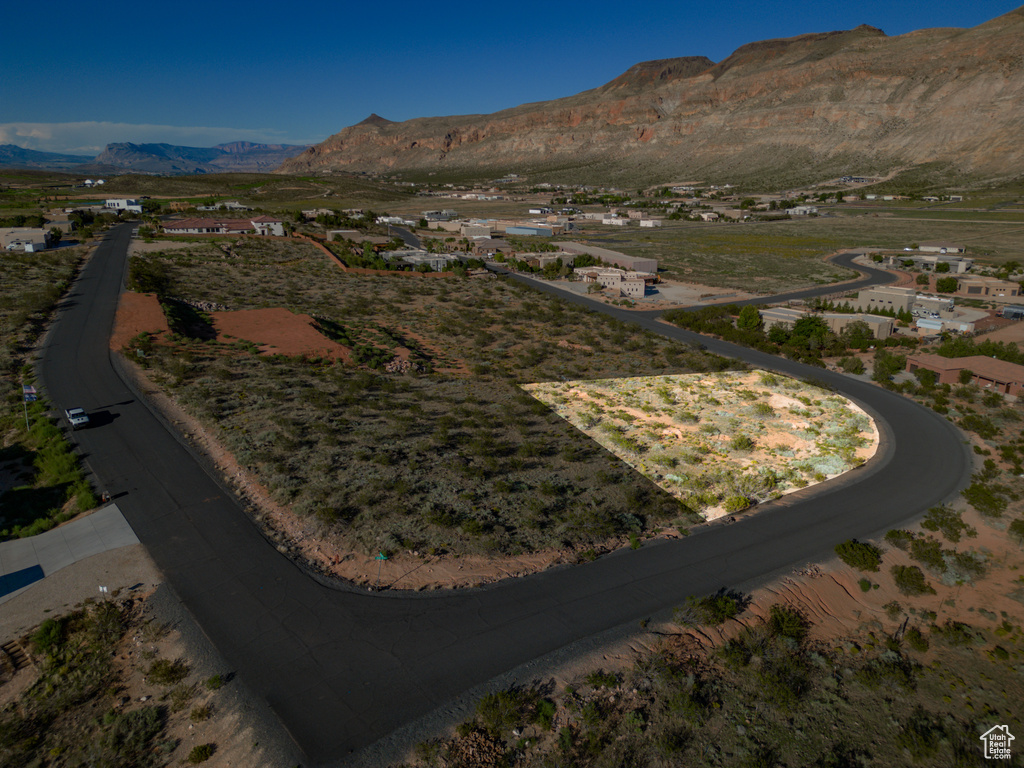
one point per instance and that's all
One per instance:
(852, 101)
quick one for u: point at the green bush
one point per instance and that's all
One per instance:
(1016, 530)
(900, 538)
(860, 555)
(213, 682)
(201, 753)
(985, 498)
(916, 640)
(928, 552)
(715, 609)
(948, 522)
(166, 672)
(955, 633)
(48, 637)
(865, 585)
(786, 621)
(910, 580)
(602, 679)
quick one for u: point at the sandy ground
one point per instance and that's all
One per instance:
(1012, 332)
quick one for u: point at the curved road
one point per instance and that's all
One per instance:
(342, 668)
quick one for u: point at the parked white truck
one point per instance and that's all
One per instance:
(77, 417)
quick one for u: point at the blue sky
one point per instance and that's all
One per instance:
(199, 74)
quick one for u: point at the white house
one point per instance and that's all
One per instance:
(123, 204)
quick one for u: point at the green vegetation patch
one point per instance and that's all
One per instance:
(718, 442)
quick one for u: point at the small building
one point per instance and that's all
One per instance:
(886, 298)
(987, 372)
(529, 231)
(633, 287)
(650, 223)
(268, 226)
(1013, 312)
(123, 204)
(881, 327)
(781, 317)
(26, 239)
(977, 287)
(709, 216)
(941, 246)
(804, 210)
(475, 230)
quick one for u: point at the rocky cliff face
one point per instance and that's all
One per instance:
(854, 101)
(240, 156)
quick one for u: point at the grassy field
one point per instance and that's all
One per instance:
(761, 257)
(41, 483)
(775, 256)
(453, 457)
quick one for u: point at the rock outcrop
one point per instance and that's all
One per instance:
(854, 101)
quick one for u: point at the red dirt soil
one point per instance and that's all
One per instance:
(137, 313)
(278, 331)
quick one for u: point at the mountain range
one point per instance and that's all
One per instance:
(812, 106)
(164, 159)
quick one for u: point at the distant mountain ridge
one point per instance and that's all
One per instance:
(238, 156)
(854, 101)
(165, 159)
(13, 156)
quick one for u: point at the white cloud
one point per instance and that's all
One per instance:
(89, 138)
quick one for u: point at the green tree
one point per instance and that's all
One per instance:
(965, 376)
(750, 319)
(922, 279)
(54, 236)
(946, 285)
(942, 266)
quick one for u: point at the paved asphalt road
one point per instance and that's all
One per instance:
(342, 668)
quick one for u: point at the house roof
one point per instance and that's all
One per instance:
(980, 365)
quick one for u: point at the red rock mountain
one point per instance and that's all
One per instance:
(855, 101)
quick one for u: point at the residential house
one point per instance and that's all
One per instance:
(987, 372)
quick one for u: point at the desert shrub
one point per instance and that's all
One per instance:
(955, 633)
(859, 555)
(602, 679)
(921, 735)
(865, 585)
(1016, 530)
(786, 621)
(985, 498)
(544, 714)
(715, 609)
(893, 609)
(741, 443)
(948, 522)
(213, 682)
(166, 672)
(928, 552)
(502, 711)
(131, 733)
(910, 580)
(891, 670)
(916, 640)
(899, 538)
(49, 637)
(201, 753)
